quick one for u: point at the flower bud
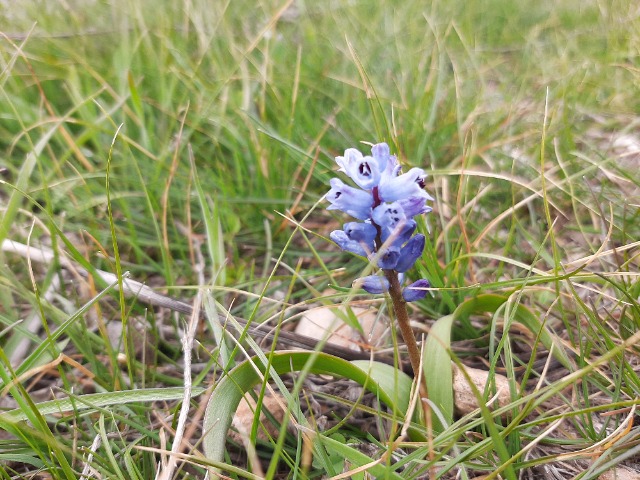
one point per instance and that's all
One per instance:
(361, 232)
(372, 284)
(410, 253)
(345, 243)
(388, 257)
(416, 291)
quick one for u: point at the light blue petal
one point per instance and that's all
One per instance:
(364, 171)
(353, 201)
(389, 215)
(351, 155)
(372, 284)
(399, 235)
(415, 205)
(361, 232)
(381, 154)
(387, 257)
(345, 243)
(402, 186)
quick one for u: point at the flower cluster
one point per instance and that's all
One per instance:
(386, 203)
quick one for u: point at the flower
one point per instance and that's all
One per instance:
(356, 203)
(365, 171)
(372, 284)
(356, 238)
(400, 234)
(411, 251)
(407, 185)
(388, 215)
(416, 291)
(385, 202)
(387, 257)
(345, 243)
(361, 232)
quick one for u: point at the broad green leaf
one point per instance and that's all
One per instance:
(438, 370)
(390, 385)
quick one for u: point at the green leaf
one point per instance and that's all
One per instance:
(358, 459)
(27, 459)
(22, 182)
(135, 96)
(438, 371)
(98, 400)
(213, 225)
(390, 385)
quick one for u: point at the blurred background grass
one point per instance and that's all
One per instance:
(484, 95)
(266, 93)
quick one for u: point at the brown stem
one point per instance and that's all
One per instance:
(402, 317)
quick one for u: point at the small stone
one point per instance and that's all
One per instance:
(324, 322)
(243, 418)
(620, 473)
(465, 400)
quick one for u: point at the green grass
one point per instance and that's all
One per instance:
(188, 143)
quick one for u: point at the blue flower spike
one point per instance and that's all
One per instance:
(386, 202)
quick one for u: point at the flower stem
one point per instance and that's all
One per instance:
(402, 317)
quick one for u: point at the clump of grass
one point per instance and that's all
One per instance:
(217, 125)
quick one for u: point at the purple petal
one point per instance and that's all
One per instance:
(416, 291)
(345, 243)
(399, 235)
(388, 257)
(389, 215)
(380, 152)
(361, 232)
(353, 201)
(415, 205)
(410, 253)
(372, 284)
